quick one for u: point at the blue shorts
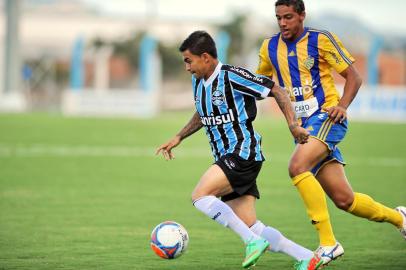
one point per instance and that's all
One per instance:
(322, 128)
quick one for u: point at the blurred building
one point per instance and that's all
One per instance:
(49, 30)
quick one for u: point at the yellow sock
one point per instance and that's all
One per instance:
(315, 202)
(364, 206)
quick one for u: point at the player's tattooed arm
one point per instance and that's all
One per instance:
(285, 105)
(300, 134)
(191, 127)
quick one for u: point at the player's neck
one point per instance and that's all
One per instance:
(211, 69)
(298, 35)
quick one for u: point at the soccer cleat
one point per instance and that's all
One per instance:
(402, 212)
(329, 253)
(311, 264)
(253, 251)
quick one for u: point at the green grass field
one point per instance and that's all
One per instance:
(84, 193)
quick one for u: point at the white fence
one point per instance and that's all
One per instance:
(116, 103)
(380, 103)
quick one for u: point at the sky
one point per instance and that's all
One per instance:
(383, 16)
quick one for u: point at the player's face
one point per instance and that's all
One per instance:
(290, 22)
(195, 64)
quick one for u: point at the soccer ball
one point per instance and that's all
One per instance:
(169, 240)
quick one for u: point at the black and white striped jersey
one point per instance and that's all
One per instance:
(226, 103)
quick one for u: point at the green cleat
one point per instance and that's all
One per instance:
(254, 250)
(311, 264)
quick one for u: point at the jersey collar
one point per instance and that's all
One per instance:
(306, 29)
(214, 75)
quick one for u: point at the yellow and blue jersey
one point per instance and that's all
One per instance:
(303, 67)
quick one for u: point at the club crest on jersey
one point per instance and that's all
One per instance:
(197, 99)
(309, 62)
(217, 97)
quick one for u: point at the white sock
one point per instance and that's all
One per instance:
(223, 214)
(279, 243)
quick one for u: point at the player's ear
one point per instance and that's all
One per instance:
(206, 57)
(303, 16)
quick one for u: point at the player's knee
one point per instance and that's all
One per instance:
(199, 193)
(344, 202)
(295, 168)
(195, 196)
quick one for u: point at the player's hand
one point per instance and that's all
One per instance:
(300, 134)
(166, 148)
(337, 113)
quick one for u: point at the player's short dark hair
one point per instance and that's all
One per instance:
(298, 5)
(199, 42)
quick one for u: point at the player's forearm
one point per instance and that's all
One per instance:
(352, 84)
(285, 105)
(350, 91)
(191, 127)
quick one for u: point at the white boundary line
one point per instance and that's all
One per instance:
(42, 150)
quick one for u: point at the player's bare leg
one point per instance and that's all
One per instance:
(213, 184)
(334, 182)
(244, 208)
(304, 158)
(332, 178)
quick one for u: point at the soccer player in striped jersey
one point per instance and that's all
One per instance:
(301, 59)
(225, 98)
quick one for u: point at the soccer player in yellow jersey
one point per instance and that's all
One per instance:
(302, 60)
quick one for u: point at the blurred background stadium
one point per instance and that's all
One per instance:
(88, 90)
(100, 57)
